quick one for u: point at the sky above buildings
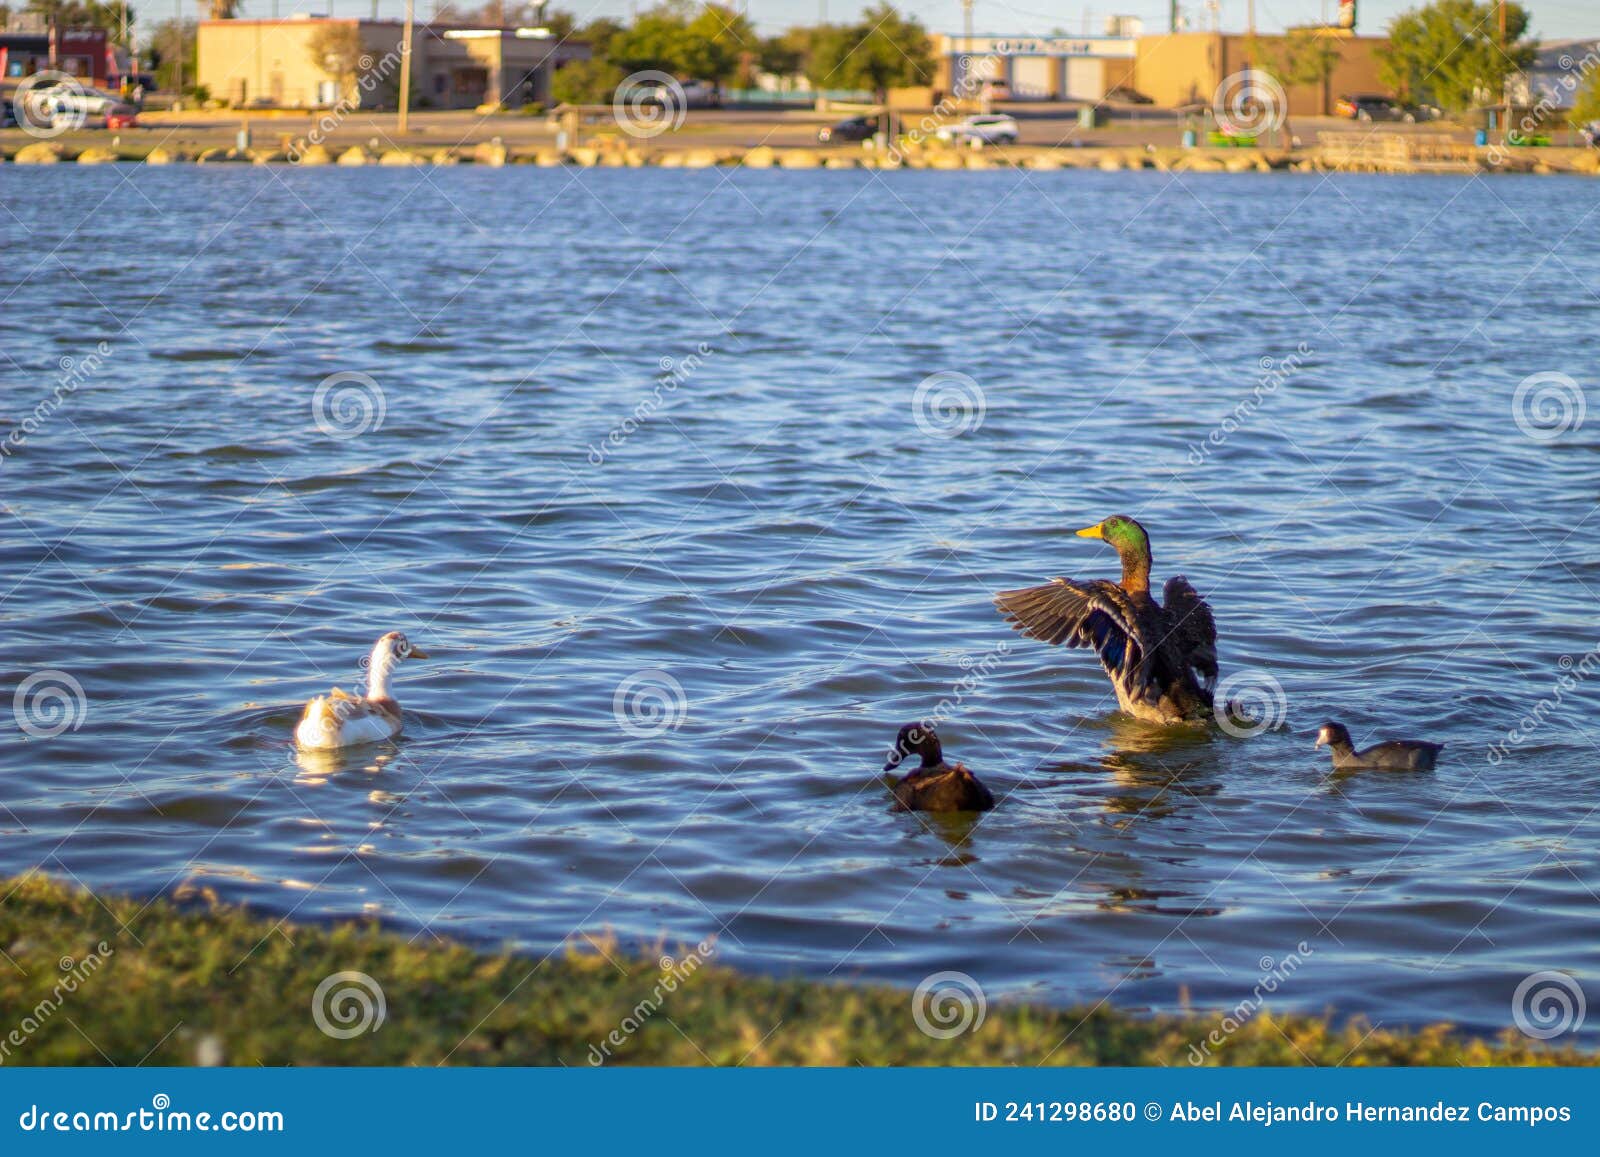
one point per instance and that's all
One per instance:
(1552, 19)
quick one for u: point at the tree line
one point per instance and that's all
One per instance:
(1447, 53)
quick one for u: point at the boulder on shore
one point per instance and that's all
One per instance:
(39, 153)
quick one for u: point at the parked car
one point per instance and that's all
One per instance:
(1128, 95)
(1370, 107)
(991, 129)
(996, 90)
(696, 94)
(854, 129)
(48, 103)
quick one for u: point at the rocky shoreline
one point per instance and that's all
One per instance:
(618, 154)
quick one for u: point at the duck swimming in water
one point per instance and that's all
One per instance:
(1391, 755)
(936, 786)
(340, 720)
(1161, 657)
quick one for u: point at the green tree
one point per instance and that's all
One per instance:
(598, 34)
(785, 55)
(171, 46)
(585, 82)
(1586, 101)
(80, 13)
(1449, 53)
(653, 42)
(1304, 57)
(336, 50)
(715, 43)
(882, 50)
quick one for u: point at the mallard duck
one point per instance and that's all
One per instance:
(936, 786)
(1391, 755)
(1161, 657)
(340, 720)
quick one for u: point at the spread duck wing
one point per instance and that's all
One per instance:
(1096, 614)
(1191, 630)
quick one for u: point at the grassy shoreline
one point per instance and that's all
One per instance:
(165, 984)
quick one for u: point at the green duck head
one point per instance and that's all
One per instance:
(1132, 545)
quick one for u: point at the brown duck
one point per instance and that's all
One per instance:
(936, 786)
(1161, 657)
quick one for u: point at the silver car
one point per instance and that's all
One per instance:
(991, 129)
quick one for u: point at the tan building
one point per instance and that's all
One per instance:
(1172, 68)
(275, 62)
(1034, 67)
(1189, 67)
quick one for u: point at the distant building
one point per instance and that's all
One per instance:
(271, 62)
(81, 52)
(1191, 67)
(1174, 68)
(1034, 67)
(1559, 72)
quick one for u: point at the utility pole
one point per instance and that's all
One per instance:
(962, 85)
(405, 72)
(177, 28)
(1505, 86)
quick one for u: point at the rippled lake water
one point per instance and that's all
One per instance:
(658, 430)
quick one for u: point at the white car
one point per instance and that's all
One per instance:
(994, 129)
(69, 103)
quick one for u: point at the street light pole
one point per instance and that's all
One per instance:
(405, 71)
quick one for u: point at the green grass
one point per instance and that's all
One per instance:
(205, 980)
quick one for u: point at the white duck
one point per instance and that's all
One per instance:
(340, 720)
